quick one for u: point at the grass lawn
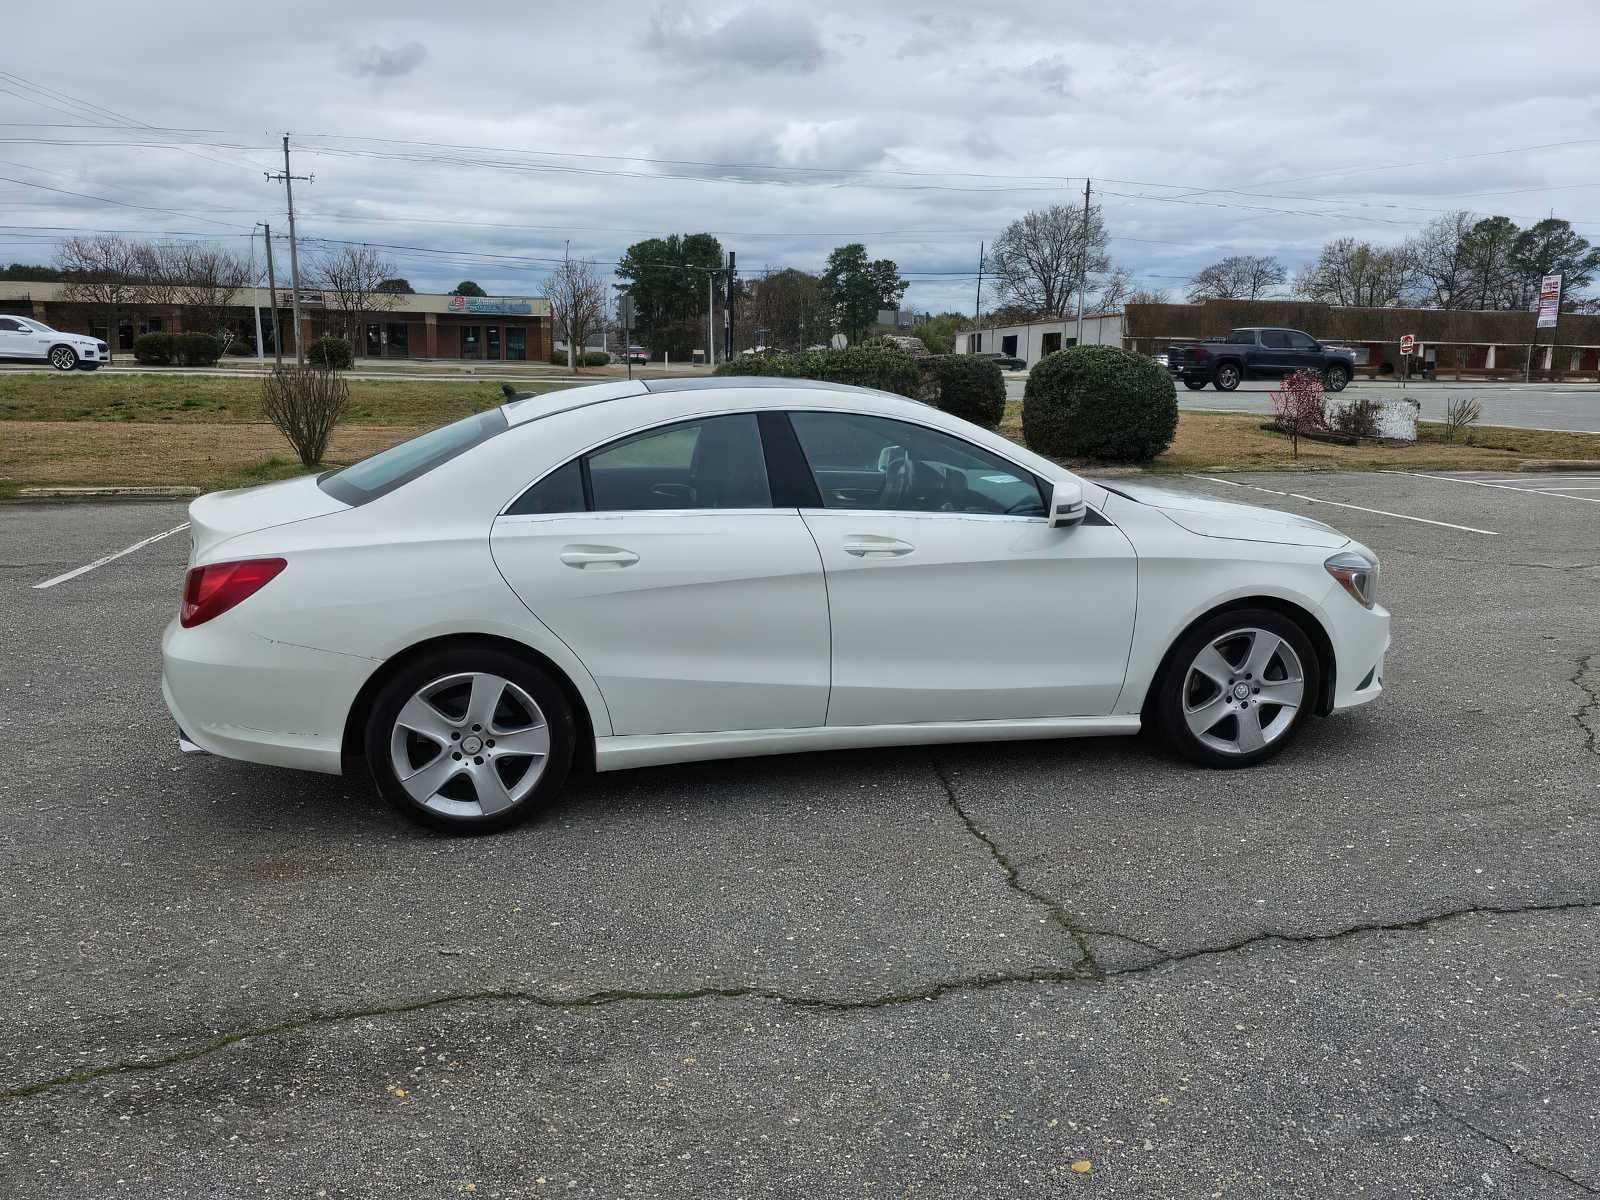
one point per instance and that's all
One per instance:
(208, 432)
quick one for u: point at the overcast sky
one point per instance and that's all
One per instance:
(920, 131)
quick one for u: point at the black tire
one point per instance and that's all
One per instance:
(1173, 688)
(1227, 377)
(63, 358)
(1194, 385)
(1335, 378)
(441, 665)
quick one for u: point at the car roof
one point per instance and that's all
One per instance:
(548, 404)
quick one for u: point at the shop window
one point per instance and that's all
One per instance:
(516, 344)
(399, 335)
(374, 341)
(125, 334)
(471, 341)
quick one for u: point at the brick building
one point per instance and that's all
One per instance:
(420, 326)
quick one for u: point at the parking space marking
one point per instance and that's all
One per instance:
(1358, 507)
(100, 562)
(1504, 487)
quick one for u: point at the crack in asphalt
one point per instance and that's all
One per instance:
(1527, 1160)
(1587, 717)
(605, 998)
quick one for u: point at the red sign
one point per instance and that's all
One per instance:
(1408, 344)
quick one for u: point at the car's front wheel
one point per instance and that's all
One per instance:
(1237, 687)
(63, 358)
(470, 740)
(1336, 378)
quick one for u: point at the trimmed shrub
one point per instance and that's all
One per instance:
(596, 358)
(196, 349)
(1099, 402)
(331, 354)
(1358, 418)
(153, 349)
(970, 387)
(886, 370)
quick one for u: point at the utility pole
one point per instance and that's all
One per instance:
(272, 297)
(727, 310)
(711, 304)
(977, 303)
(1083, 264)
(294, 255)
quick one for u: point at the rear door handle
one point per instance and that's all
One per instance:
(866, 545)
(598, 558)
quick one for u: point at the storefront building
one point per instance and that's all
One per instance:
(414, 325)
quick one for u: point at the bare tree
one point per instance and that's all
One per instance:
(1441, 258)
(1237, 277)
(1148, 296)
(305, 403)
(207, 280)
(577, 298)
(1039, 259)
(350, 280)
(1358, 274)
(102, 270)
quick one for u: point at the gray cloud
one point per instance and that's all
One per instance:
(747, 40)
(375, 61)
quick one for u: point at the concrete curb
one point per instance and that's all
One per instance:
(107, 493)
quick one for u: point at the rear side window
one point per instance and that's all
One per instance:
(1242, 337)
(399, 465)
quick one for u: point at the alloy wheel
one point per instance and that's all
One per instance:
(469, 745)
(1227, 377)
(1243, 691)
(63, 359)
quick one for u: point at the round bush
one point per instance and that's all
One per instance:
(196, 349)
(1099, 402)
(153, 349)
(971, 388)
(330, 353)
(596, 358)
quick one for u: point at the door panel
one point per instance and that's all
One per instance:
(16, 340)
(690, 621)
(964, 617)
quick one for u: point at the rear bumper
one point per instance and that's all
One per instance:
(238, 695)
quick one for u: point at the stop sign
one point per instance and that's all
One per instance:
(1408, 344)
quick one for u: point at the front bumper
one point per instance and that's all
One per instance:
(1360, 639)
(239, 695)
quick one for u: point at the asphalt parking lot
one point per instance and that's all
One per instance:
(1369, 968)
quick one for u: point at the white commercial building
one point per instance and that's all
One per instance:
(1032, 340)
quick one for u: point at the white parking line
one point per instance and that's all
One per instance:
(1340, 504)
(1504, 487)
(100, 562)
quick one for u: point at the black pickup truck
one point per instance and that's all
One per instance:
(1258, 353)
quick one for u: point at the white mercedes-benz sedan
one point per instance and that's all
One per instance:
(641, 573)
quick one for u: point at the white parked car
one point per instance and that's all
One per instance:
(638, 573)
(23, 337)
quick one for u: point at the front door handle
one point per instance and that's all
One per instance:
(866, 545)
(598, 558)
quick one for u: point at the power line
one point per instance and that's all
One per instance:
(171, 212)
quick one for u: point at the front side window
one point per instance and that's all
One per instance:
(712, 463)
(1274, 339)
(1302, 341)
(865, 462)
(7, 325)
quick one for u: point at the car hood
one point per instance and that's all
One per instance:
(218, 516)
(1209, 517)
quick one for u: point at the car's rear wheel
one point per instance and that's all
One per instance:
(1194, 385)
(63, 358)
(470, 740)
(1335, 378)
(1237, 688)
(1226, 378)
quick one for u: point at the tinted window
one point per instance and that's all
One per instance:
(873, 462)
(1275, 339)
(9, 326)
(399, 465)
(1302, 341)
(1242, 337)
(561, 491)
(715, 463)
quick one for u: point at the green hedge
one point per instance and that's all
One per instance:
(887, 370)
(1099, 402)
(331, 354)
(196, 349)
(969, 387)
(153, 349)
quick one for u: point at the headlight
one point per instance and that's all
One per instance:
(1357, 574)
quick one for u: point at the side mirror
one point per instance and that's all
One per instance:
(1066, 504)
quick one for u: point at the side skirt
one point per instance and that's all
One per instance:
(657, 749)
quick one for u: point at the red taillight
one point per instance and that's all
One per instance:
(213, 589)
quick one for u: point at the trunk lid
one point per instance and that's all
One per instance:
(218, 516)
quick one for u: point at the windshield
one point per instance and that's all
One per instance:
(399, 465)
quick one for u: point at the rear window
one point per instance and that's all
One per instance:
(399, 465)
